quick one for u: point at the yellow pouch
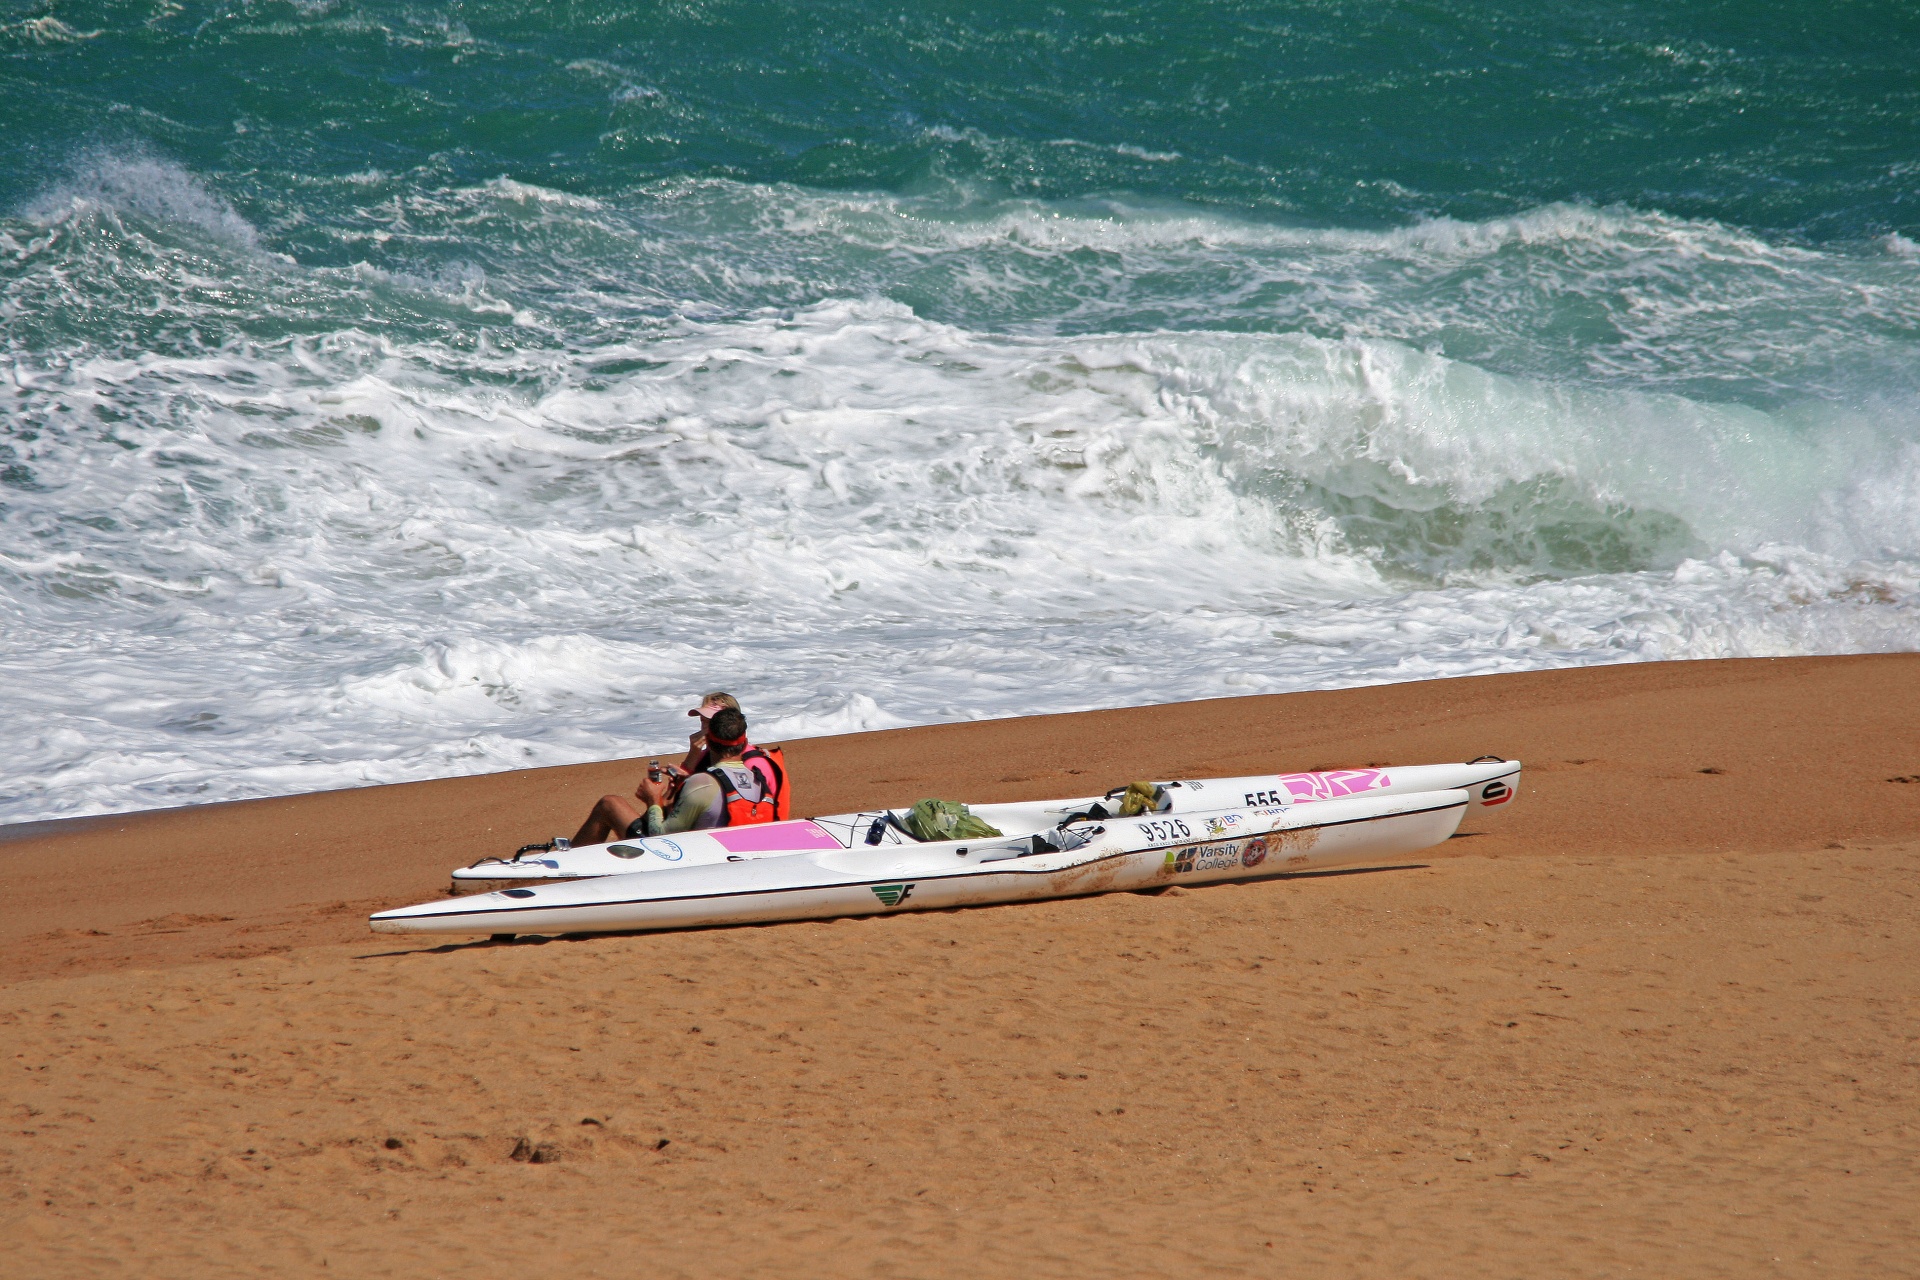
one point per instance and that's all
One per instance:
(1141, 797)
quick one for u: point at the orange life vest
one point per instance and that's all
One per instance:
(754, 789)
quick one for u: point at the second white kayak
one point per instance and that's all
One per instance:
(1080, 858)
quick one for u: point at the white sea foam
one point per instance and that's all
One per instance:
(517, 515)
(1703, 308)
(46, 30)
(122, 181)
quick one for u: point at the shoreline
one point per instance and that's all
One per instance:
(1614, 757)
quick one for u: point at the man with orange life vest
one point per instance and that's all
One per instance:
(731, 791)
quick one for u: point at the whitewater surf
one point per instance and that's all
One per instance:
(389, 393)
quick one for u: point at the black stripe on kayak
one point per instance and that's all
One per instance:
(895, 879)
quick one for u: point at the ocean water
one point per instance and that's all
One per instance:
(391, 390)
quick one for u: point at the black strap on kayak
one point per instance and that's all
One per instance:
(545, 846)
(878, 830)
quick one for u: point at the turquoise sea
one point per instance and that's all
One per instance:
(391, 390)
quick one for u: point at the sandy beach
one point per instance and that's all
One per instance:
(1655, 1018)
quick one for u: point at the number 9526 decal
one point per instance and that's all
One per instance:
(1167, 829)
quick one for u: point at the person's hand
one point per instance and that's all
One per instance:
(696, 747)
(653, 791)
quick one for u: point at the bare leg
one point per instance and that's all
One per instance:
(609, 821)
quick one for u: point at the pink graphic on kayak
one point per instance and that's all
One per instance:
(775, 837)
(1333, 784)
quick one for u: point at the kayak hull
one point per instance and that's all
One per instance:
(1118, 855)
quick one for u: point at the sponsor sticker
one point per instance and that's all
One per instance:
(1223, 825)
(892, 895)
(666, 849)
(1496, 792)
(1212, 857)
(1254, 854)
(1206, 857)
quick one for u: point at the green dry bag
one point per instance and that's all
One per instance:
(946, 820)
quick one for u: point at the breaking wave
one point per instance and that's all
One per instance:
(464, 476)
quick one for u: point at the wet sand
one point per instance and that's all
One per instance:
(1656, 1017)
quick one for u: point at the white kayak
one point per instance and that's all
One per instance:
(1084, 856)
(1488, 782)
